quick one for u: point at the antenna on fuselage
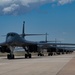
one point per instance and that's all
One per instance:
(23, 30)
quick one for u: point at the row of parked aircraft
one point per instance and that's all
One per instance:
(17, 40)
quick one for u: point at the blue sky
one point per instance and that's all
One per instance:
(57, 19)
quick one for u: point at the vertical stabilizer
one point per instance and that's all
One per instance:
(46, 38)
(23, 30)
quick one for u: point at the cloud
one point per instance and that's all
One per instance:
(62, 2)
(23, 6)
(10, 8)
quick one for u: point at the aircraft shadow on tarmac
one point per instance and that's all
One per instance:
(39, 57)
(36, 57)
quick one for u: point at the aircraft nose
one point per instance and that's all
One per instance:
(8, 39)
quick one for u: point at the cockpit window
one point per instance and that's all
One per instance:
(11, 35)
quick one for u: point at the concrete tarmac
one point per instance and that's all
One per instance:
(46, 65)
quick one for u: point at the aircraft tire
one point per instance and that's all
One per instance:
(38, 54)
(13, 56)
(26, 55)
(59, 53)
(10, 56)
(29, 55)
(62, 52)
(51, 54)
(41, 54)
(66, 53)
(48, 54)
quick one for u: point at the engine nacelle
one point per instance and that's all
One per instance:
(51, 49)
(33, 48)
(4, 49)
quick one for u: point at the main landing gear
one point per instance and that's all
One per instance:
(27, 55)
(11, 55)
(40, 54)
(50, 53)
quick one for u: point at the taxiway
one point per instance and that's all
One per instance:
(46, 65)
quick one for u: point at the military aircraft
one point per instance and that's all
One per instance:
(17, 40)
(55, 49)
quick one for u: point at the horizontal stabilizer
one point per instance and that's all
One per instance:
(32, 34)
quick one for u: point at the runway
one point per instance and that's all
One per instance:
(46, 65)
